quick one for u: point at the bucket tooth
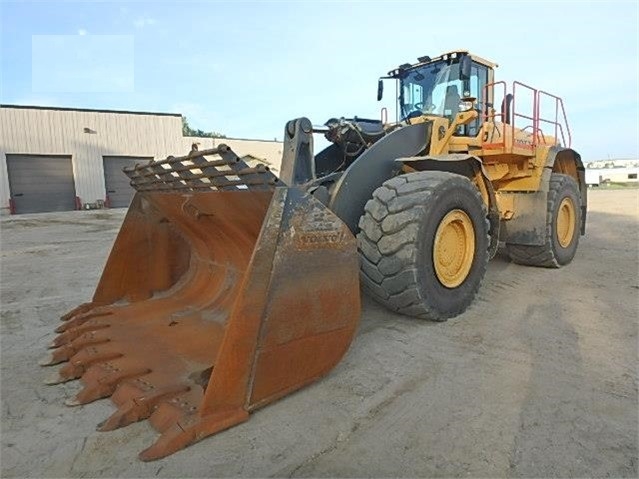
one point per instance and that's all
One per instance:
(170, 411)
(83, 308)
(72, 334)
(68, 350)
(90, 338)
(130, 412)
(50, 360)
(80, 319)
(132, 389)
(190, 429)
(102, 379)
(55, 379)
(175, 437)
(59, 355)
(80, 362)
(138, 407)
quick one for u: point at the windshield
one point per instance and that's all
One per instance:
(433, 89)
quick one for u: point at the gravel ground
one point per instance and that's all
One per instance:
(538, 378)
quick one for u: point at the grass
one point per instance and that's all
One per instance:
(613, 185)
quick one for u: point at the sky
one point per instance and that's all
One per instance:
(245, 68)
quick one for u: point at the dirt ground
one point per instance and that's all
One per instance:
(538, 378)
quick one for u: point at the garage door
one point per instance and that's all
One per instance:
(41, 183)
(119, 191)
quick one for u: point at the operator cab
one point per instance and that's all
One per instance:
(443, 87)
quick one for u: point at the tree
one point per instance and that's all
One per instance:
(188, 131)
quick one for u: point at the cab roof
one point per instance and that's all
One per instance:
(425, 60)
(474, 57)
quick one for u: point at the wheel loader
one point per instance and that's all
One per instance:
(228, 288)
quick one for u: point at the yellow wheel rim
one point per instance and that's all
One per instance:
(454, 248)
(566, 222)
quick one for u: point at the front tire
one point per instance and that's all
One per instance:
(424, 244)
(563, 218)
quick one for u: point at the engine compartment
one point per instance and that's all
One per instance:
(354, 135)
(350, 137)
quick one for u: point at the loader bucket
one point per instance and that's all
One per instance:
(223, 292)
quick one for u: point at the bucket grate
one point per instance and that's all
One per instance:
(214, 169)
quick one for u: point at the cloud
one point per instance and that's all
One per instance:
(142, 22)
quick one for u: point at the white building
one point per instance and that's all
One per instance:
(619, 175)
(57, 159)
(612, 170)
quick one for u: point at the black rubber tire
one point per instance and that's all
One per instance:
(396, 238)
(551, 254)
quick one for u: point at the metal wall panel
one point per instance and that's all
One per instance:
(41, 183)
(118, 188)
(88, 136)
(91, 135)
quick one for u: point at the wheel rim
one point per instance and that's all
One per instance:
(454, 248)
(566, 222)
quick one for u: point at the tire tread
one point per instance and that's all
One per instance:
(542, 255)
(388, 270)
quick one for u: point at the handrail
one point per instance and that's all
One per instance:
(488, 116)
(384, 115)
(532, 118)
(559, 104)
(538, 136)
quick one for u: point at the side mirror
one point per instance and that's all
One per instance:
(380, 89)
(464, 67)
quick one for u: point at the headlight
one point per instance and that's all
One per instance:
(465, 106)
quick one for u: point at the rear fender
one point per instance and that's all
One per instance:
(567, 161)
(525, 213)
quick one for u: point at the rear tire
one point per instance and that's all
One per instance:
(563, 220)
(424, 244)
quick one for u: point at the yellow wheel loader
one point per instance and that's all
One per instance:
(228, 288)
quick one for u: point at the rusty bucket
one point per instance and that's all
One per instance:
(223, 292)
